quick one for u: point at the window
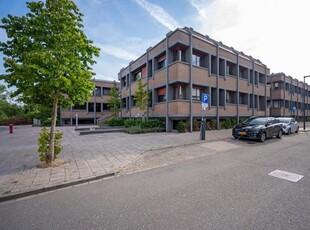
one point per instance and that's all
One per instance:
(106, 91)
(79, 107)
(179, 92)
(98, 91)
(161, 62)
(196, 93)
(150, 99)
(106, 107)
(124, 103)
(161, 93)
(276, 85)
(98, 107)
(90, 107)
(195, 60)
(243, 99)
(124, 81)
(276, 104)
(137, 76)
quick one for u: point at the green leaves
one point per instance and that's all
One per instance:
(115, 101)
(42, 46)
(141, 96)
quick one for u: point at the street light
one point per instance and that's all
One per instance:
(304, 102)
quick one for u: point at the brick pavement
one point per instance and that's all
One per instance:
(89, 157)
(86, 157)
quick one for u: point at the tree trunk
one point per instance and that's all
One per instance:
(51, 150)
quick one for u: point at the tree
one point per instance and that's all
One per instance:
(48, 57)
(141, 97)
(114, 101)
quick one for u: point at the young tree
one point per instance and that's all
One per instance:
(141, 97)
(115, 100)
(48, 57)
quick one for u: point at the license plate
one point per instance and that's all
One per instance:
(242, 133)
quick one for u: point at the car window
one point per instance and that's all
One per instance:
(284, 120)
(276, 121)
(256, 121)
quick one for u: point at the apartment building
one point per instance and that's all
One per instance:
(287, 95)
(94, 110)
(186, 64)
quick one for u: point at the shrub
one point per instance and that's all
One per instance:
(132, 122)
(15, 121)
(44, 141)
(116, 122)
(152, 123)
(181, 127)
(139, 130)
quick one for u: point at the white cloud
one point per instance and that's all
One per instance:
(159, 14)
(117, 52)
(274, 31)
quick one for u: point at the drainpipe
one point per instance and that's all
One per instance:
(147, 79)
(253, 86)
(167, 84)
(265, 101)
(129, 85)
(217, 85)
(238, 90)
(190, 80)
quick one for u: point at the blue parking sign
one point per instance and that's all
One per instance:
(205, 98)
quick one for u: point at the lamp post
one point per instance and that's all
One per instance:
(304, 102)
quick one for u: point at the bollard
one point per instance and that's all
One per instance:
(202, 130)
(11, 128)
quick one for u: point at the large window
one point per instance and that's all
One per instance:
(161, 62)
(79, 107)
(179, 92)
(195, 60)
(98, 107)
(137, 76)
(196, 93)
(161, 94)
(106, 91)
(98, 91)
(106, 107)
(90, 107)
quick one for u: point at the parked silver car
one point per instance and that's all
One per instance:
(289, 125)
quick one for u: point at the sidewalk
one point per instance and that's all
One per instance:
(87, 157)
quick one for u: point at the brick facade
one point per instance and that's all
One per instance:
(88, 113)
(195, 64)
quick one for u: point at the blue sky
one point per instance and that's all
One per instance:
(274, 31)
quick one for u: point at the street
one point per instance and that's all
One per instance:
(229, 188)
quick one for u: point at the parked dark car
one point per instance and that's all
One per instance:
(258, 128)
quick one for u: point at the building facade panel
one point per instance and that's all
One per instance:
(191, 72)
(178, 72)
(204, 46)
(228, 55)
(157, 50)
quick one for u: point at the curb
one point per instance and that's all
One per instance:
(55, 187)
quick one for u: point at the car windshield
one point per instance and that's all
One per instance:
(285, 120)
(256, 121)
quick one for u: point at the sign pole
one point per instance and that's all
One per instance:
(204, 105)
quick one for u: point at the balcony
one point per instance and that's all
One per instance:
(178, 72)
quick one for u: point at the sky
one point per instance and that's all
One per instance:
(277, 32)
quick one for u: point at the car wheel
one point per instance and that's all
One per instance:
(280, 134)
(288, 131)
(297, 130)
(262, 137)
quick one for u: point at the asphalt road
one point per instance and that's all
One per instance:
(224, 190)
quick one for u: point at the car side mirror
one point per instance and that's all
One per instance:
(267, 124)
